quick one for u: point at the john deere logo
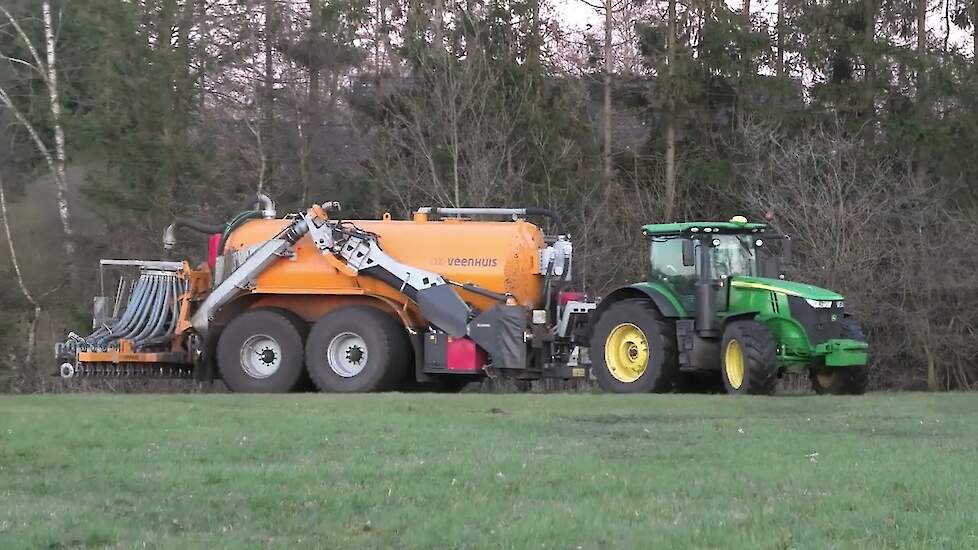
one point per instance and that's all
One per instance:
(835, 317)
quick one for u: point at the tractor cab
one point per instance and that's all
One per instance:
(712, 254)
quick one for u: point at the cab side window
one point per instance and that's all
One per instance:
(668, 268)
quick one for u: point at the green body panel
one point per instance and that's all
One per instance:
(687, 227)
(766, 300)
(843, 353)
(666, 292)
(790, 288)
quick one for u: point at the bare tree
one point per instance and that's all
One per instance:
(670, 183)
(36, 307)
(448, 140)
(863, 226)
(920, 167)
(46, 70)
(608, 53)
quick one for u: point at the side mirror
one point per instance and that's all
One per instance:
(688, 253)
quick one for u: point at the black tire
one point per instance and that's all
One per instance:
(662, 365)
(272, 372)
(759, 359)
(375, 347)
(842, 380)
(304, 385)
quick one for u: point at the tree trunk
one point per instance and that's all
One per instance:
(535, 40)
(60, 158)
(269, 76)
(36, 311)
(438, 26)
(313, 100)
(868, 109)
(779, 29)
(670, 188)
(607, 90)
(748, 68)
(920, 166)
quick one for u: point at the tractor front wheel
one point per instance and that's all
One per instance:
(634, 349)
(749, 359)
(842, 380)
(839, 380)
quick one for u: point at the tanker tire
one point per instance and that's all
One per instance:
(842, 380)
(387, 354)
(271, 323)
(759, 358)
(662, 368)
(304, 385)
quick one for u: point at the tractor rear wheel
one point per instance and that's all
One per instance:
(260, 351)
(842, 380)
(357, 349)
(633, 349)
(748, 357)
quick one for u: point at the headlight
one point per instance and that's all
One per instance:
(840, 304)
(819, 304)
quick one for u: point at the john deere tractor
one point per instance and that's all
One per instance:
(717, 306)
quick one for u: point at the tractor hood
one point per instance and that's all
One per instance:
(789, 288)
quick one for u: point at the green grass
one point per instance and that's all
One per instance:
(489, 471)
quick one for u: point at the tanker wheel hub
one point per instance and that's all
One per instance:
(347, 354)
(261, 356)
(354, 355)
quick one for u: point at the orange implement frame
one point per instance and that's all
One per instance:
(125, 354)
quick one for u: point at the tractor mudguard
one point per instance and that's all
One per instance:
(666, 302)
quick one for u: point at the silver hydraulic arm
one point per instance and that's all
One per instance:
(358, 250)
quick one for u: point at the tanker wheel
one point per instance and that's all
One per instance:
(842, 380)
(260, 351)
(749, 361)
(357, 349)
(634, 349)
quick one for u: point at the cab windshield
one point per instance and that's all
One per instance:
(734, 256)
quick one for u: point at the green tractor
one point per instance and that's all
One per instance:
(717, 306)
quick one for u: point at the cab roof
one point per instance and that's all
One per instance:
(682, 228)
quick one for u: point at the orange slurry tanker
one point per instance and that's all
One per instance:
(447, 297)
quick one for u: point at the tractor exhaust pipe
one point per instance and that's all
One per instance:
(706, 297)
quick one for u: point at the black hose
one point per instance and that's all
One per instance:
(197, 225)
(540, 211)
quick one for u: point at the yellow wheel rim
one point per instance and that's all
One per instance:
(733, 364)
(626, 352)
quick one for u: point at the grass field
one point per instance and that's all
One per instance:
(489, 471)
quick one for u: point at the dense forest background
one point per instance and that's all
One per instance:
(853, 121)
